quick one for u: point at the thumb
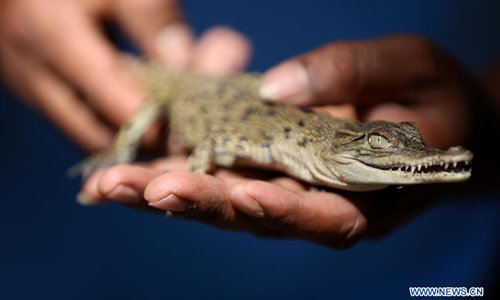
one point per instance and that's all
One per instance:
(158, 29)
(348, 72)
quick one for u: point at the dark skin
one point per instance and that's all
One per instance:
(395, 79)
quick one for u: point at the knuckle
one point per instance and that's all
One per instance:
(354, 231)
(283, 223)
(209, 198)
(282, 210)
(212, 210)
(288, 220)
(349, 233)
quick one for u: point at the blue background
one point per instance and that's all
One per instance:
(52, 248)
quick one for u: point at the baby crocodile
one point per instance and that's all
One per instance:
(226, 123)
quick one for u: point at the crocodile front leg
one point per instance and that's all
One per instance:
(126, 143)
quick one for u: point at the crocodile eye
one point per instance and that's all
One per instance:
(378, 141)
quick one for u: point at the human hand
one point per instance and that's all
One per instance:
(402, 78)
(56, 56)
(376, 77)
(278, 207)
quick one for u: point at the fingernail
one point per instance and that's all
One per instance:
(284, 81)
(250, 207)
(124, 193)
(173, 44)
(84, 200)
(171, 203)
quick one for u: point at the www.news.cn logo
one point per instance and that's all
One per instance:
(446, 292)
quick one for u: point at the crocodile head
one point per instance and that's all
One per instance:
(373, 155)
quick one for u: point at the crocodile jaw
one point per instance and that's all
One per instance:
(453, 165)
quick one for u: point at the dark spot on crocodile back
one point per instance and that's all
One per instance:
(287, 131)
(303, 142)
(272, 112)
(248, 112)
(302, 123)
(265, 135)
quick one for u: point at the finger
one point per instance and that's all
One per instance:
(86, 58)
(325, 218)
(121, 183)
(320, 217)
(346, 72)
(221, 51)
(204, 198)
(54, 98)
(157, 27)
(200, 197)
(89, 194)
(180, 191)
(125, 183)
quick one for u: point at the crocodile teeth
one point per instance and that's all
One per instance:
(433, 167)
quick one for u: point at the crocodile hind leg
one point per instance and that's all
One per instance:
(210, 152)
(126, 143)
(201, 159)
